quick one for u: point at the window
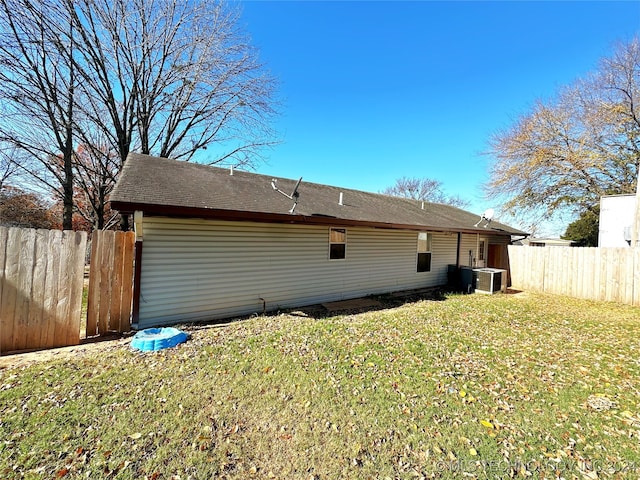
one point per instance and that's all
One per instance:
(424, 252)
(481, 251)
(337, 243)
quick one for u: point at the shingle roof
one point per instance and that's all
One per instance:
(163, 186)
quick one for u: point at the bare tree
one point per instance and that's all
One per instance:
(156, 76)
(38, 80)
(566, 153)
(8, 165)
(95, 168)
(171, 78)
(425, 189)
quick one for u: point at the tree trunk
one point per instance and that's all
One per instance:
(67, 190)
(99, 211)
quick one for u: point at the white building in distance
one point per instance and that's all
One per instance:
(617, 213)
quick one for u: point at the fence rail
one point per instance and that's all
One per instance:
(608, 274)
(41, 281)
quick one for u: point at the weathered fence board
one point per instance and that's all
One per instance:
(608, 274)
(41, 278)
(110, 282)
(93, 295)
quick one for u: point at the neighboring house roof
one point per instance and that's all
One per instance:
(160, 186)
(545, 242)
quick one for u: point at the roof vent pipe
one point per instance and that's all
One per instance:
(422, 205)
(231, 171)
(340, 201)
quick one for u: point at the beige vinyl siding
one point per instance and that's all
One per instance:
(469, 241)
(200, 269)
(444, 254)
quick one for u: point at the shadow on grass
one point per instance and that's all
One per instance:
(318, 311)
(376, 303)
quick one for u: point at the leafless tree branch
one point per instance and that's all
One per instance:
(425, 189)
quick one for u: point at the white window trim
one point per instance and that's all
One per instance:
(429, 250)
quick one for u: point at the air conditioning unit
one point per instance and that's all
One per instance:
(489, 280)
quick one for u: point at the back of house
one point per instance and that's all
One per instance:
(215, 243)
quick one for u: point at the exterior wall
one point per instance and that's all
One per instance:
(616, 213)
(499, 256)
(200, 269)
(468, 250)
(469, 245)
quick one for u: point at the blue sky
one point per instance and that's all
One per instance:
(373, 91)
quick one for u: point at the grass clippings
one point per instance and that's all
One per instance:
(469, 387)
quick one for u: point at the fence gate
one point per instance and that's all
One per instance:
(41, 280)
(110, 282)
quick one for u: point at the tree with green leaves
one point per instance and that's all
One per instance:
(584, 230)
(566, 153)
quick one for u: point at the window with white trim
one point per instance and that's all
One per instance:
(337, 243)
(424, 252)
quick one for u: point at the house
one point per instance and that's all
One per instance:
(220, 243)
(544, 242)
(617, 214)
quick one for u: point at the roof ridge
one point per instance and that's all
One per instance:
(237, 170)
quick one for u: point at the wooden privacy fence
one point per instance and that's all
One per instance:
(609, 274)
(41, 280)
(110, 282)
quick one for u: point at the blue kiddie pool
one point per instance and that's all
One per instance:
(152, 339)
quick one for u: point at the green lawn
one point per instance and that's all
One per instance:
(468, 387)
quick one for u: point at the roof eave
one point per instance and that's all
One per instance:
(237, 215)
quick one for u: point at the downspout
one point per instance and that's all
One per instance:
(138, 229)
(474, 261)
(458, 250)
(635, 231)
